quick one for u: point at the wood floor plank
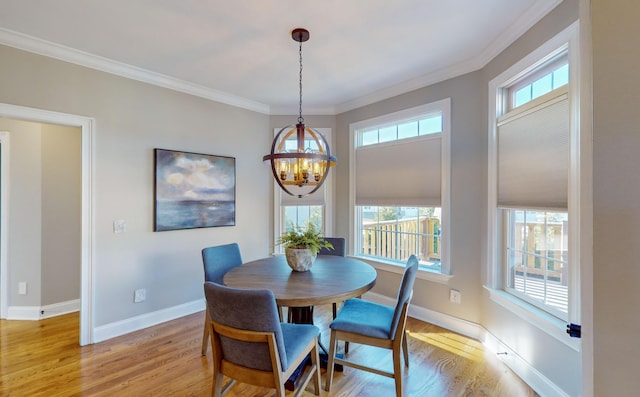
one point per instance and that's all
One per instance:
(43, 358)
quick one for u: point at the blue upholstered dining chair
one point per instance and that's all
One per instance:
(373, 324)
(217, 260)
(251, 345)
(339, 249)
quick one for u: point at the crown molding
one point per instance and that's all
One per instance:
(53, 50)
(504, 40)
(67, 54)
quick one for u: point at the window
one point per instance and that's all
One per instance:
(553, 75)
(537, 258)
(301, 215)
(395, 233)
(533, 175)
(400, 195)
(291, 212)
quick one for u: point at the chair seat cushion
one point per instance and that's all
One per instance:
(364, 318)
(296, 337)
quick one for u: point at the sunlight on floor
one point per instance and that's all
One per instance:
(453, 343)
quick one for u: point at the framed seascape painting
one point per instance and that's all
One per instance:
(193, 190)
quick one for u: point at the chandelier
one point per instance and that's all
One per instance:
(300, 156)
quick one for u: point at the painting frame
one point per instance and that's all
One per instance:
(193, 190)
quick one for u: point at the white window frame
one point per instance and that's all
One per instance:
(498, 100)
(443, 106)
(279, 225)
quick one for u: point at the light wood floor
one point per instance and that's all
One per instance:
(43, 358)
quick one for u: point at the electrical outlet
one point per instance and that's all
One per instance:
(119, 226)
(455, 296)
(139, 295)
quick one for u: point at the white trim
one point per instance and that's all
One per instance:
(398, 268)
(444, 107)
(30, 313)
(4, 223)
(35, 313)
(584, 85)
(536, 380)
(540, 319)
(67, 54)
(529, 374)
(58, 309)
(502, 41)
(87, 126)
(146, 320)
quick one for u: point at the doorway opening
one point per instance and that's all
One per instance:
(86, 126)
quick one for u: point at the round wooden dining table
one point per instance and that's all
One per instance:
(330, 279)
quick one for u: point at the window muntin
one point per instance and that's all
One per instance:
(536, 256)
(299, 216)
(426, 125)
(547, 78)
(395, 233)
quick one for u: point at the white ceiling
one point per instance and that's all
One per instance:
(241, 52)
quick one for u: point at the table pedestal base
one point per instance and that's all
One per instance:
(304, 315)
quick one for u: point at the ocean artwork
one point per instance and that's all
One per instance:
(193, 190)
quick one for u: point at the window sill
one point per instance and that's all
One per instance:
(393, 267)
(545, 322)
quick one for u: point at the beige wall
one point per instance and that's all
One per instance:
(616, 193)
(25, 211)
(131, 119)
(553, 359)
(44, 213)
(61, 213)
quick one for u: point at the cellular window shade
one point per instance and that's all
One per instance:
(400, 173)
(533, 156)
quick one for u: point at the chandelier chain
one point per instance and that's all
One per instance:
(300, 118)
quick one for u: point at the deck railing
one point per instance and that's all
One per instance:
(398, 239)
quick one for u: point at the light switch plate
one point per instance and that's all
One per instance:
(119, 226)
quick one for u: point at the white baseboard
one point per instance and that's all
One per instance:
(23, 313)
(530, 375)
(36, 313)
(58, 309)
(118, 328)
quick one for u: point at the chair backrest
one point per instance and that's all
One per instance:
(339, 247)
(405, 291)
(252, 310)
(220, 259)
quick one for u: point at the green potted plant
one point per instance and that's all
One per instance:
(302, 246)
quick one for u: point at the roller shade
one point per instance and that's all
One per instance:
(400, 173)
(533, 156)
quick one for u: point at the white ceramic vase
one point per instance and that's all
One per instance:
(300, 260)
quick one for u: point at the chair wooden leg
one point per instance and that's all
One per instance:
(205, 333)
(335, 310)
(397, 370)
(280, 313)
(315, 362)
(332, 354)
(216, 388)
(405, 347)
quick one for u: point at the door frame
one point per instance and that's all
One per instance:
(87, 126)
